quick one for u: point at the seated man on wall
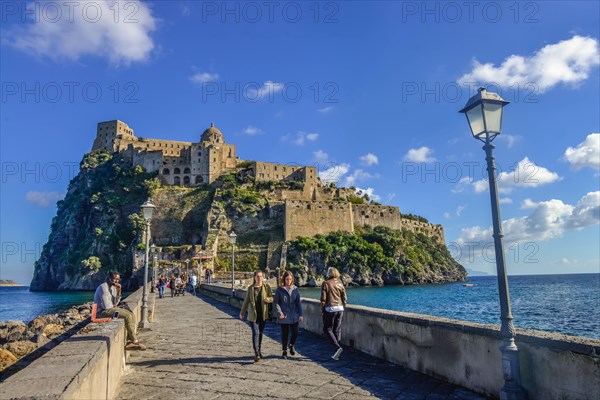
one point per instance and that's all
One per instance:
(107, 297)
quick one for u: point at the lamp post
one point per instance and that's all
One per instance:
(147, 209)
(484, 114)
(153, 251)
(232, 239)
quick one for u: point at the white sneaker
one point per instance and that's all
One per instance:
(336, 356)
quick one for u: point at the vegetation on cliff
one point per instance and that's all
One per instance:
(96, 225)
(374, 256)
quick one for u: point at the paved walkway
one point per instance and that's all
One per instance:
(199, 349)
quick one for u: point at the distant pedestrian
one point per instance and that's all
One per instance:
(162, 282)
(333, 301)
(178, 286)
(172, 285)
(257, 300)
(107, 298)
(208, 275)
(193, 283)
(288, 310)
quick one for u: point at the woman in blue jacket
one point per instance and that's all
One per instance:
(288, 311)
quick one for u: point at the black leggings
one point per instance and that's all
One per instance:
(285, 329)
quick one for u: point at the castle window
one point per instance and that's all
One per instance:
(381, 214)
(308, 206)
(171, 145)
(199, 154)
(177, 180)
(177, 171)
(186, 180)
(186, 170)
(330, 207)
(199, 179)
(276, 168)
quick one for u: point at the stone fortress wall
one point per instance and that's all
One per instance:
(308, 218)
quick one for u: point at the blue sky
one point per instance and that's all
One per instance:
(368, 92)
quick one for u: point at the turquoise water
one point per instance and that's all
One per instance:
(17, 302)
(559, 303)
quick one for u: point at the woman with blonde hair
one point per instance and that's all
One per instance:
(288, 311)
(333, 301)
(256, 303)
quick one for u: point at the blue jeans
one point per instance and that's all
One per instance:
(257, 334)
(161, 291)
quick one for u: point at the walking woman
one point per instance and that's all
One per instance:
(256, 303)
(333, 301)
(172, 285)
(288, 311)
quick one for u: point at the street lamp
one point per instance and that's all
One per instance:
(232, 239)
(147, 209)
(153, 251)
(484, 114)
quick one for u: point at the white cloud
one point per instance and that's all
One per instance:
(369, 192)
(422, 154)
(43, 199)
(252, 130)
(505, 200)
(509, 139)
(203, 77)
(586, 212)
(547, 220)
(267, 90)
(526, 174)
(334, 173)
(460, 209)
(88, 28)
(369, 159)
(325, 110)
(390, 197)
(359, 176)
(321, 156)
(568, 61)
(447, 215)
(300, 137)
(586, 154)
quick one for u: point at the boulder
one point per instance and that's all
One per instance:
(20, 348)
(53, 330)
(16, 331)
(7, 356)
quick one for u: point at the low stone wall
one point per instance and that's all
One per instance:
(88, 365)
(553, 366)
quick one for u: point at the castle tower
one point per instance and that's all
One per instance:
(212, 157)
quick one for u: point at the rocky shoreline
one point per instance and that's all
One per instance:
(19, 341)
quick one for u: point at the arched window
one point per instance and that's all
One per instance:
(199, 179)
(186, 170)
(177, 171)
(177, 180)
(166, 171)
(186, 180)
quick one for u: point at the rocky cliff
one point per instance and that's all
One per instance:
(97, 226)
